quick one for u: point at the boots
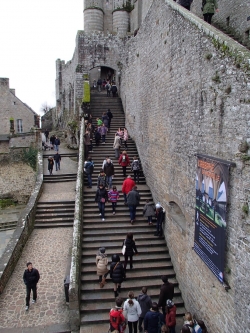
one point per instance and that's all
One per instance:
(103, 282)
(116, 293)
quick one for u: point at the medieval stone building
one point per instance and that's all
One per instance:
(185, 90)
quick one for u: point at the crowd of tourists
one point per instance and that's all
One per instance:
(138, 313)
(141, 314)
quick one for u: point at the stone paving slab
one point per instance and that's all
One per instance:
(48, 250)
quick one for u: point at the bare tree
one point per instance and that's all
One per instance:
(45, 107)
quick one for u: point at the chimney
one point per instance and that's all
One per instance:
(4, 82)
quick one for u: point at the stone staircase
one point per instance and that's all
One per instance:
(153, 259)
(54, 214)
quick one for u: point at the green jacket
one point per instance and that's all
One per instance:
(209, 6)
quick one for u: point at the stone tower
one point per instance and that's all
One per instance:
(108, 16)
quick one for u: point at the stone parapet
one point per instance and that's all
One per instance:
(75, 270)
(24, 228)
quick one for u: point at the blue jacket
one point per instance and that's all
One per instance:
(153, 321)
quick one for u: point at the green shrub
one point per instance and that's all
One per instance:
(6, 203)
(30, 157)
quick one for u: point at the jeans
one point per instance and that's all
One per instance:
(136, 175)
(89, 179)
(140, 323)
(101, 206)
(131, 325)
(109, 181)
(103, 138)
(56, 147)
(159, 228)
(125, 197)
(171, 329)
(28, 291)
(57, 165)
(117, 152)
(132, 211)
(149, 219)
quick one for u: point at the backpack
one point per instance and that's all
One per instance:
(89, 168)
(108, 86)
(116, 320)
(197, 328)
(136, 165)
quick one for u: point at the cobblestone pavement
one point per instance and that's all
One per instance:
(48, 250)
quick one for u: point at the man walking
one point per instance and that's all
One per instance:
(57, 159)
(166, 292)
(31, 277)
(57, 143)
(127, 186)
(109, 170)
(89, 169)
(133, 200)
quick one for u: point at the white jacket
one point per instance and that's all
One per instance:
(133, 311)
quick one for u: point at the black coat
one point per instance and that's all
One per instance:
(50, 163)
(31, 278)
(167, 292)
(109, 169)
(101, 193)
(130, 247)
(118, 274)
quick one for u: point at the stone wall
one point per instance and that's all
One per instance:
(17, 180)
(24, 228)
(191, 95)
(232, 13)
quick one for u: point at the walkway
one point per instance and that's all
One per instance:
(48, 250)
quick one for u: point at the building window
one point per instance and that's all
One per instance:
(19, 126)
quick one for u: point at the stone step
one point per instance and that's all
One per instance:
(54, 225)
(103, 317)
(88, 260)
(153, 259)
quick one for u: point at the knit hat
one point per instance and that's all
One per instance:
(158, 205)
(102, 249)
(169, 303)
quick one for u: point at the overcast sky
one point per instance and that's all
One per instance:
(33, 34)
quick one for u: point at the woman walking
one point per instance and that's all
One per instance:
(117, 273)
(208, 9)
(133, 309)
(50, 165)
(135, 167)
(101, 264)
(116, 145)
(125, 137)
(130, 250)
(124, 162)
(101, 197)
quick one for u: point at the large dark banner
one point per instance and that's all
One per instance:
(210, 213)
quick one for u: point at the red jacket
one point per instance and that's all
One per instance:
(170, 317)
(124, 163)
(127, 185)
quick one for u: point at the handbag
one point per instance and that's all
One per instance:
(124, 248)
(103, 200)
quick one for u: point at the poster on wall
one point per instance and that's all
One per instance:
(212, 178)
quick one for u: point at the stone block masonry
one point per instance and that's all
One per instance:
(190, 95)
